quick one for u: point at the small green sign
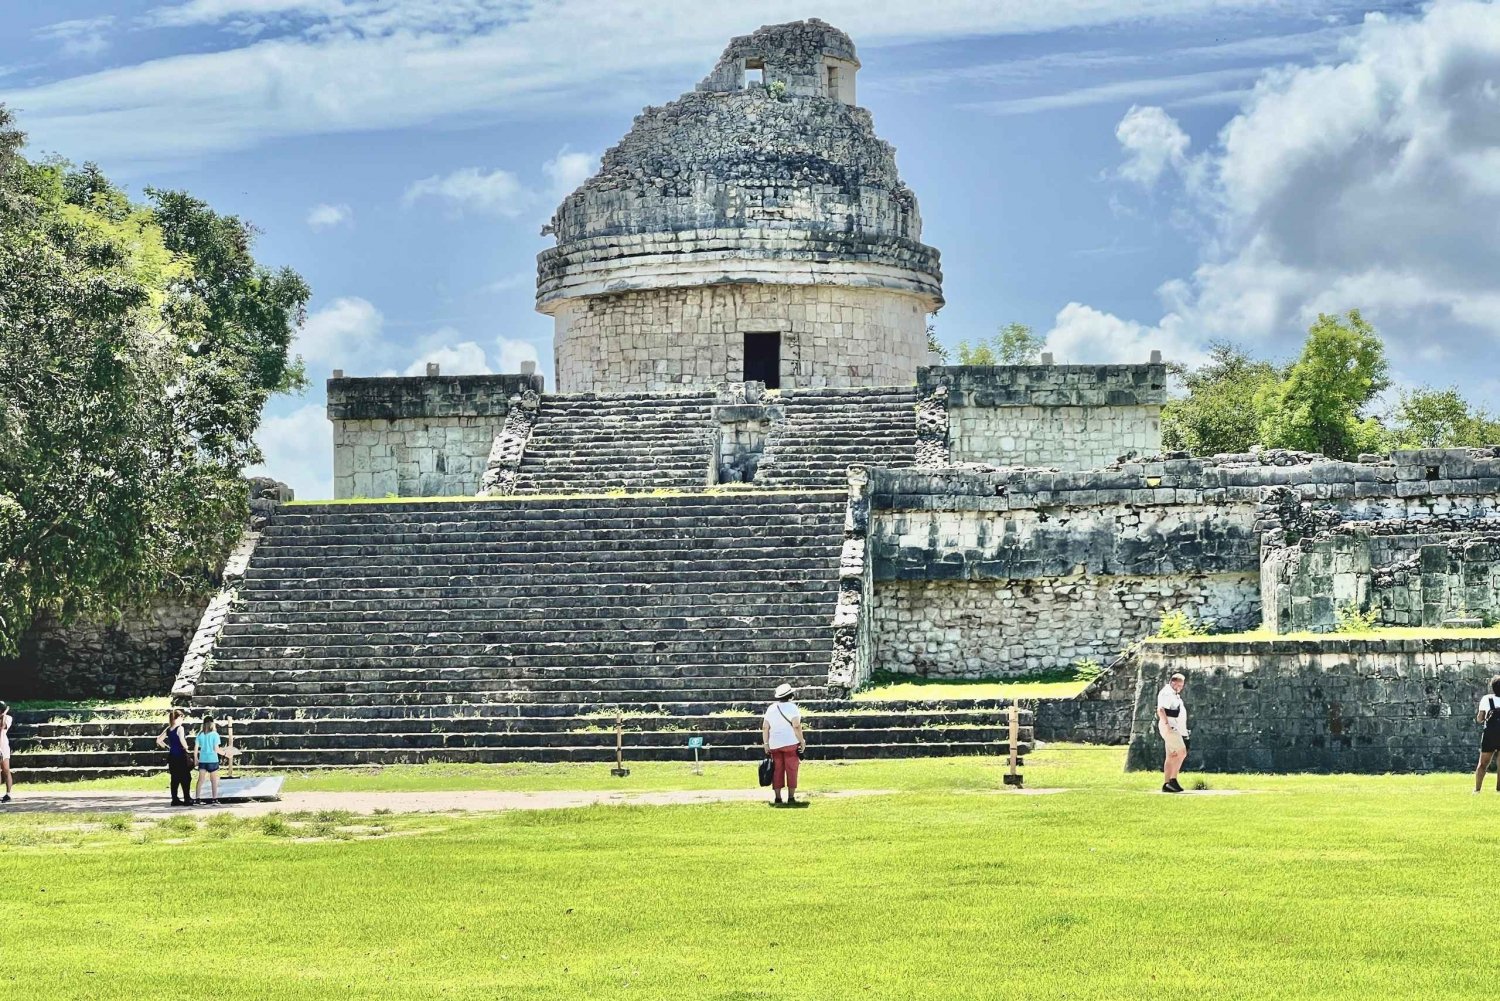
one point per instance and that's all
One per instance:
(695, 742)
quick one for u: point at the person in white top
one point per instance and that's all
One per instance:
(1172, 723)
(781, 734)
(5, 721)
(1489, 744)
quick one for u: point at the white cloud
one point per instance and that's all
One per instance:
(340, 335)
(1084, 335)
(461, 358)
(498, 192)
(325, 216)
(1120, 91)
(82, 38)
(1369, 183)
(1153, 141)
(299, 451)
(513, 352)
(567, 170)
(324, 66)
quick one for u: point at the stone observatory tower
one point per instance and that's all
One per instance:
(753, 229)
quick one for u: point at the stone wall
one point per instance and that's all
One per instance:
(1325, 705)
(995, 628)
(1009, 571)
(417, 436)
(1062, 416)
(132, 655)
(694, 338)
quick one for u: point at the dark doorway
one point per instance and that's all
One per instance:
(763, 359)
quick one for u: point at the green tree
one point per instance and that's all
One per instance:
(1438, 418)
(1219, 414)
(138, 345)
(1015, 344)
(1317, 407)
(935, 346)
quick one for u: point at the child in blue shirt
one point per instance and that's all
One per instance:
(208, 757)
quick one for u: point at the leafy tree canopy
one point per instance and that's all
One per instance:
(1015, 344)
(138, 346)
(1439, 418)
(1218, 413)
(1317, 407)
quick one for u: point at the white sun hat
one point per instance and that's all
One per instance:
(784, 690)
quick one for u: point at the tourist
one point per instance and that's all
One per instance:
(5, 721)
(179, 765)
(1489, 744)
(781, 733)
(208, 758)
(1172, 720)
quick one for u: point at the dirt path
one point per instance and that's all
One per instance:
(478, 801)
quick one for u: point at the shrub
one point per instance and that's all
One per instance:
(1352, 620)
(1087, 669)
(1179, 624)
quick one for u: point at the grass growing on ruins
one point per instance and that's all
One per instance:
(1300, 887)
(1379, 633)
(1060, 684)
(150, 706)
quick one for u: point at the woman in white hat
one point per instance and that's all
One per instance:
(781, 733)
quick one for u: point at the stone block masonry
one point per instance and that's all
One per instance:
(1325, 705)
(420, 436)
(1067, 417)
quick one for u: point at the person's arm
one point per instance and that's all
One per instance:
(765, 734)
(1483, 715)
(797, 729)
(1163, 718)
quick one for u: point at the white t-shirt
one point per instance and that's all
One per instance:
(782, 734)
(1489, 703)
(1168, 699)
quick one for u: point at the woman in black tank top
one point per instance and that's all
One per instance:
(1489, 744)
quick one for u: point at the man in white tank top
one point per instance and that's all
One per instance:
(1172, 724)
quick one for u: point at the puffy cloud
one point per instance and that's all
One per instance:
(325, 216)
(339, 334)
(1084, 335)
(1373, 182)
(461, 358)
(498, 192)
(567, 170)
(513, 352)
(1153, 141)
(299, 451)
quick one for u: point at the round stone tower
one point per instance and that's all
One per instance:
(755, 228)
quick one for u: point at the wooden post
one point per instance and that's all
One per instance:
(619, 771)
(229, 740)
(1013, 774)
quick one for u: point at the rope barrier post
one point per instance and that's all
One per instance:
(619, 771)
(229, 740)
(1013, 773)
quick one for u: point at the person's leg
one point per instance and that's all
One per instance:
(1174, 764)
(5, 774)
(213, 783)
(175, 770)
(778, 772)
(185, 768)
(198, 784)
(793, 764)
(1484, 766)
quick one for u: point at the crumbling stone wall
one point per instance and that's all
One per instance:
(1067, 417)
(417, 436)
(685, 338)
(958, 552)
(1324, 705)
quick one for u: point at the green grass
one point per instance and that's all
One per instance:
(1387, 633)
(1305, 887)
(1060, 684)
(150, 705)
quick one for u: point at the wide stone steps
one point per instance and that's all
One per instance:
(630, 441)
(491, 629)
(827, 431)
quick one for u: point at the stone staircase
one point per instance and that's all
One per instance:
(827, 430)
(633, 441)
(515, 630)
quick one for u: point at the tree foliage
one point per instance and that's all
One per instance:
(138, 345)
(1015, 344)
(1317, 407)
(1219, 414)
(1439, 418)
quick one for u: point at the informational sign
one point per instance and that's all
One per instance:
(695, 742)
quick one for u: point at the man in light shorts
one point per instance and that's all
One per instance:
(1172, 724)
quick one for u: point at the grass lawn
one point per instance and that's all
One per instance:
(1380, 633)
(1301, 887)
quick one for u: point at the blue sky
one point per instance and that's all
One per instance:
(1120, 174)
